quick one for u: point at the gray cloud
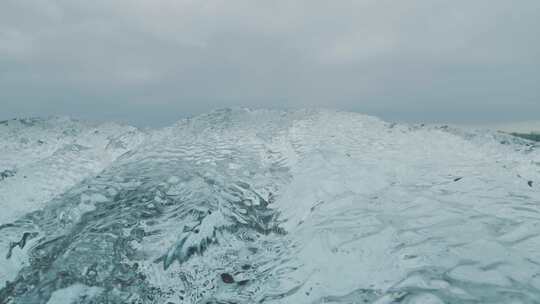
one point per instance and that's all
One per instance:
(152, 62)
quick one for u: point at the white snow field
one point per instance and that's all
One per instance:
(257, 206)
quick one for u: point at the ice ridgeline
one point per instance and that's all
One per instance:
(242, 206)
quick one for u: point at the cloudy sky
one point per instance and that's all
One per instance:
(150, 62)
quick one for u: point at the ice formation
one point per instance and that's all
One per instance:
(256, 206)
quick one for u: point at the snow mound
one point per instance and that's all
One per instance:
(244, 206)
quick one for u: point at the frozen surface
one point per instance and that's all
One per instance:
(74, 294)
(41, 159)
(241, 206)
(45, 157)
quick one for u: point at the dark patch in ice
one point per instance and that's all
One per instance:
(227, 278)
(7, 173)
(26, 236)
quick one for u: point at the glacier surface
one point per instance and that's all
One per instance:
(259, 206)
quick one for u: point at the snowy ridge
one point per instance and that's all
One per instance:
(244, 206)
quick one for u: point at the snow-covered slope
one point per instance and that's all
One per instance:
(242, 206)
(45, 157)
(42, 158)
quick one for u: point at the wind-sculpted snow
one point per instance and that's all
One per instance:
(241, 206)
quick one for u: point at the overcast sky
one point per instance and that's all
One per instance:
(151, 62)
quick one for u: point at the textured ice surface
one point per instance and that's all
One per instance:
(42, 158)
(241, 206)
(75, 293)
